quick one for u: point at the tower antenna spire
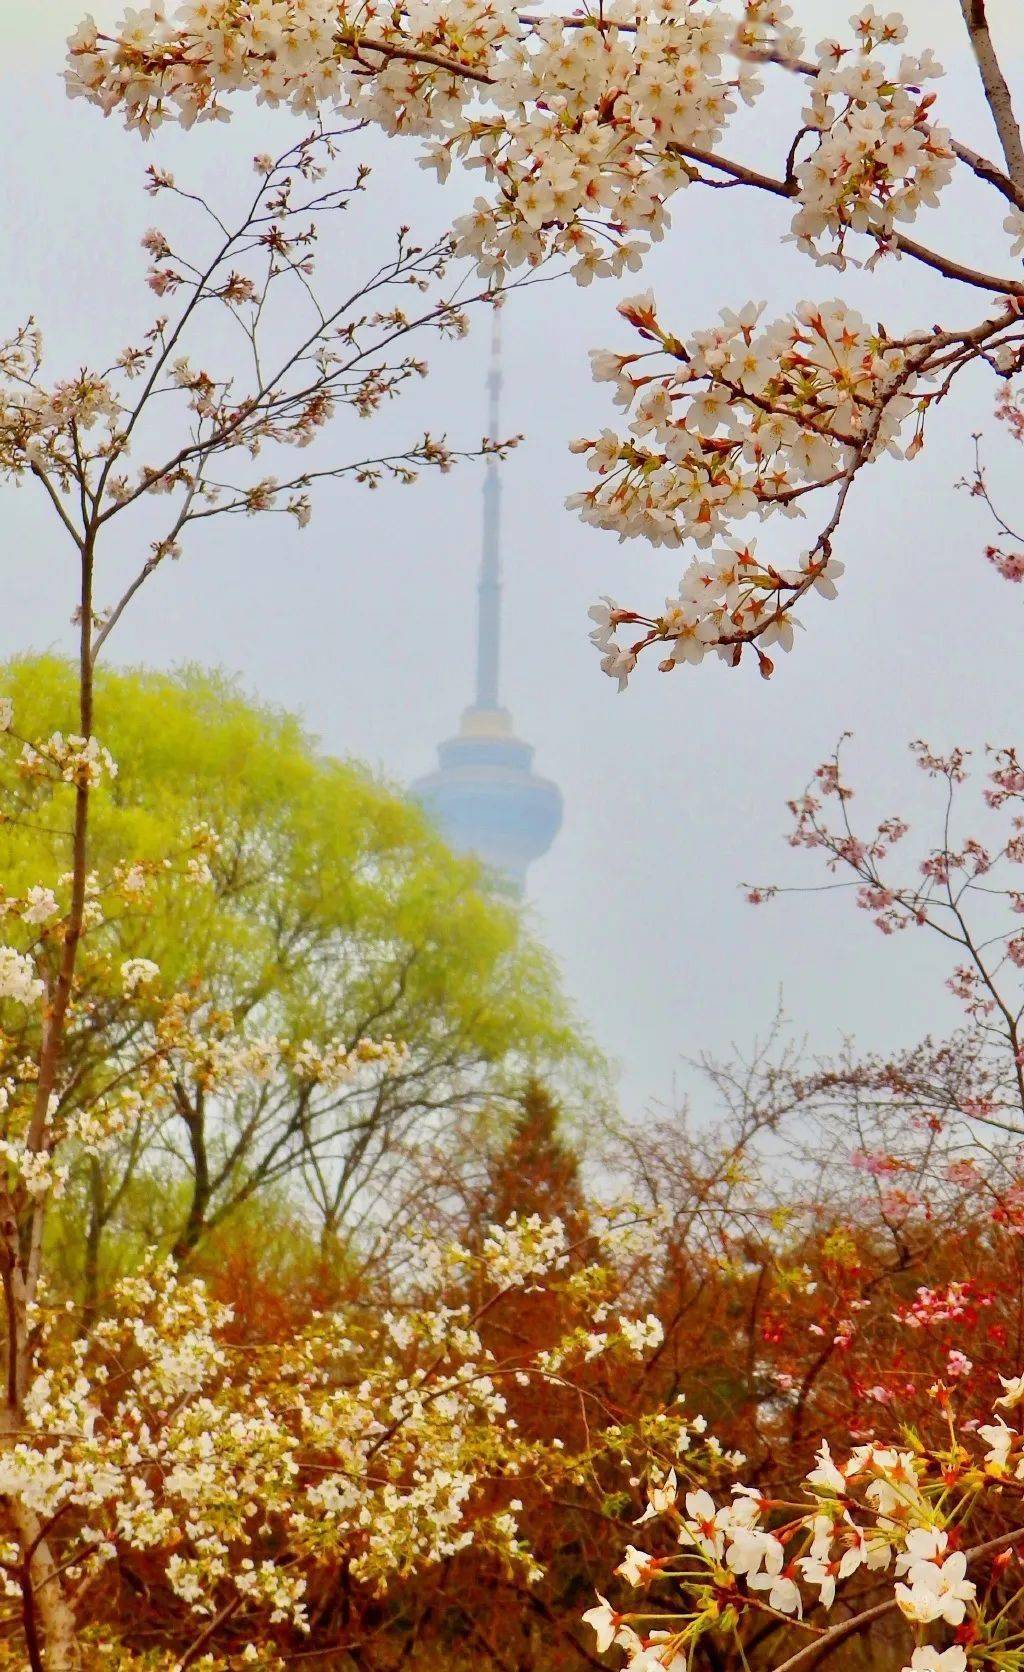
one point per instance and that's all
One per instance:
(488, 635)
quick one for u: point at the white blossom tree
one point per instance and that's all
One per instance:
(584, 128)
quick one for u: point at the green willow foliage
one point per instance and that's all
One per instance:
(336, 911)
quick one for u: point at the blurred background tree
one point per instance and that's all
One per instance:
(336, 912)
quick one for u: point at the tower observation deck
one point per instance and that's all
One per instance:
(484, 795)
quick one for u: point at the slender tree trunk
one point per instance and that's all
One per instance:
(51, 1636)
(51, 1639)
(329, 1237)
(93, 1241)
(199, 1203)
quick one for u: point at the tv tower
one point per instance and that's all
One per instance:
(485, 796)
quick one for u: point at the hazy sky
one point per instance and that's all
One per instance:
(673, 792)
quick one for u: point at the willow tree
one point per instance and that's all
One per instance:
(335, 913)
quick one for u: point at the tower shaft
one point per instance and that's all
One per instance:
(488, 637)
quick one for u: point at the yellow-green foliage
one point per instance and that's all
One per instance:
(335, 912)
(336, 906)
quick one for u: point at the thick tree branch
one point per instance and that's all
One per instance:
(997, 91)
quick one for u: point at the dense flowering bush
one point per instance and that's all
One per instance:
(242, 1477)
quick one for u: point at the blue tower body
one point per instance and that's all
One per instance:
(485, 795)
(487, 799)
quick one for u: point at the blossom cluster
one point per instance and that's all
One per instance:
(18, 977)
(78, 760)
(878, 157)
(897, 1510)
(592, 131)
(334, 1064)
(34, 1172)
(751, 420)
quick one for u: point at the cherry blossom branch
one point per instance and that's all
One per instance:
(743, 174)
(1012, 190)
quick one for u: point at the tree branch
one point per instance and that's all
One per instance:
(896, 241)
(997, 92)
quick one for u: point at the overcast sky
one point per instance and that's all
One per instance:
(675, 791)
